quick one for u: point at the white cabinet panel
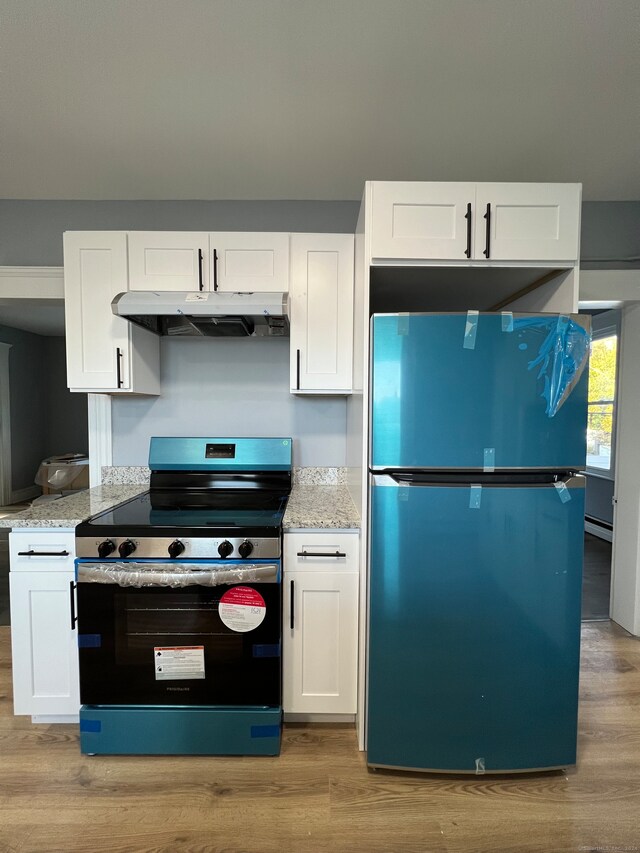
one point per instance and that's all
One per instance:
(105, 353)
(475, 222)
(320, 623)
(165, 260)
(414, 219)
(251, 262)
(35, 551)
(528, 222)
(44, 646)
(321, 312)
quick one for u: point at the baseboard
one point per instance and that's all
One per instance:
(319, 718)
(21, 495)
(599, 531)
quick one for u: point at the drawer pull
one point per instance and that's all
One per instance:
(33, 553)
(316, 554)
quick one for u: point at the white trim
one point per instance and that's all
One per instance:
(598, 530)
(5, 426)
(100, 447)
(31, 283)
(291, 717)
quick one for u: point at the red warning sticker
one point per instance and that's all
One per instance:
(242, 608)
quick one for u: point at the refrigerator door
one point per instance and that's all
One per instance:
(478, 392)
(474, 626)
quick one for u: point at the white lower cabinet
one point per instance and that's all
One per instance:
(43, 642)
(320, 622)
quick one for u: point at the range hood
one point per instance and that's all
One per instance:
(208, 314)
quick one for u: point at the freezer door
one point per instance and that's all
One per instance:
(474, 392)
(474, 626)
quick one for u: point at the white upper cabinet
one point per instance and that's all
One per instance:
(421, 220)
(475, 222)
(530, 222)
(249, 262)
(321, 313)
(166, 260)
(105, 353)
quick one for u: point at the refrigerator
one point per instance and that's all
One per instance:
(476, 530)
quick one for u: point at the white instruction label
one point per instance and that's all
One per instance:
(178, 662)
(242, 609)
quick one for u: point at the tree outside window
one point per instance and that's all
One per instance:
(601, 405)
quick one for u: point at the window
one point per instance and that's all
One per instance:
(601, 405)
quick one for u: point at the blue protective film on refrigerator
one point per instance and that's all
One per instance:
(561, 357)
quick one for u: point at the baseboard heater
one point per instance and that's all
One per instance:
(598, 527)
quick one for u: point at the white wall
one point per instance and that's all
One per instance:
(233, 387)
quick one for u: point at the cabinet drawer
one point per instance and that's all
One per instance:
(323, 551)
(35, 550)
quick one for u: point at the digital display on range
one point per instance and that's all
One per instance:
(220, 451)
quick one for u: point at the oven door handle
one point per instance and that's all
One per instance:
(172, 574)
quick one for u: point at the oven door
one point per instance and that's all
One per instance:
(188, 633)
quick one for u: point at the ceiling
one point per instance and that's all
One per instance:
(307, 99)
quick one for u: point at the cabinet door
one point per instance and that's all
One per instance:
(528, 222)
(320, 642)
(104, 352)
(44, 646)
(320, 622)
(98, 343)
(257, 262)
(321, 312)
(423, 220)
(165, 260)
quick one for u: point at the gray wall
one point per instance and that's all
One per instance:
(31, 231)
(229, 388)
(45, 419)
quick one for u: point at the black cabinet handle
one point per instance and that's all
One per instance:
(291, 604)
(215, 270)
(119, 381)
(467, 216)
(297, 370)
(315, 554)
(74, 618)
(200, 282)
(33, 553)
(487, 216)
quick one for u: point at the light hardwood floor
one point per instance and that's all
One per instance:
(319, 797)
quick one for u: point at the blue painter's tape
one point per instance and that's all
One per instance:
(403, 324)
(507, 321)
(475, 496)
(265, 731)
(470, 330)
(89, 641)
(266, 650)
(90, 726)
(489, 459)
(563, 492)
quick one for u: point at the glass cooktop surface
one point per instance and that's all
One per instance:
(213, 510)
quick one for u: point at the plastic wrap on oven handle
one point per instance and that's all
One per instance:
(175, 575)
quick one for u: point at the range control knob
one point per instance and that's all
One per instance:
(225, 548)
(175, 549)
(245, 548)
(127, 547)
(105, 548)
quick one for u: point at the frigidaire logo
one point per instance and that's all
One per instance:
(179, 689)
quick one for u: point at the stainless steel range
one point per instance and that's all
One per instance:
(179, 604)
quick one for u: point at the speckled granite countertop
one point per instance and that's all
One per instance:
(320, 506)
(308, 507)
(67, 512)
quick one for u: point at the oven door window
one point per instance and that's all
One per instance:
(124, 631)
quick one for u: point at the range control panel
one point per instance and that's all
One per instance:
(177, 548)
